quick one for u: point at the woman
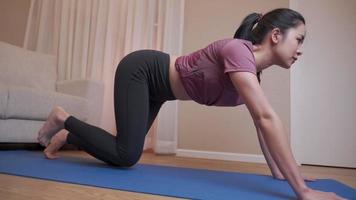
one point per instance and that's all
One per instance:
(225, 73)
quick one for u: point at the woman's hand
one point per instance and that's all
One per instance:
(311, 194)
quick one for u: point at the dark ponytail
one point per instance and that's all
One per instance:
(256, 26)
(245, 29)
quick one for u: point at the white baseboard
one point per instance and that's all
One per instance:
(165, 147)
(253, 158)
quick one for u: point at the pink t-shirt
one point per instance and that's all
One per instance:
(204, 73)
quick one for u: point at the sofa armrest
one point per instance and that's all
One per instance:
(91, 90)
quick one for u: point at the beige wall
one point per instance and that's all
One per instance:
(226, 129)
(13, 19)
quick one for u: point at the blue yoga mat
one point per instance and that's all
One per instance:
(159, 180)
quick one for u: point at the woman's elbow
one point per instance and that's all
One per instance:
(262, 118)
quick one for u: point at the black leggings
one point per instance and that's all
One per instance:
(141, 87)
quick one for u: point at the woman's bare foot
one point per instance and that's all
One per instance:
(54, 123)
(57, 141)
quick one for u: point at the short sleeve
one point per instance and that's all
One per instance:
(238, 57)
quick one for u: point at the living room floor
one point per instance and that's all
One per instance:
(15, 187)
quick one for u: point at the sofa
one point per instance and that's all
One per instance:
(29, 89)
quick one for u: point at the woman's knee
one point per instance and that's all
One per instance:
(127, 160)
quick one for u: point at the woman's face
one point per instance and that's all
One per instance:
(288, 48)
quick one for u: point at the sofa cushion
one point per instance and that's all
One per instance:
(34, 104)
(21, 67)
(4, 94)
(19, 131)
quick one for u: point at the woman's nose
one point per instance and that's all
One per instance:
(299, 52)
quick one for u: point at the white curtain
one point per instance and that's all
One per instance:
(91, 36)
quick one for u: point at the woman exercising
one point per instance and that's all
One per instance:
(225, 73)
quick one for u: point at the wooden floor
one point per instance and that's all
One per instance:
(13, 187)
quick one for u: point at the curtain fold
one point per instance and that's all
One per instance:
(90, 37)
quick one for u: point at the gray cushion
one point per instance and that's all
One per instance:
(21, 67)
(14, 130)
(3, 100)
(33, 104)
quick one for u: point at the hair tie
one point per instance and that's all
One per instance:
(260, 17)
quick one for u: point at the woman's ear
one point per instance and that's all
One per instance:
(276, 35)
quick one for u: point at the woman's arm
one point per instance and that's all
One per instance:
(272, 129)
(276, 173)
